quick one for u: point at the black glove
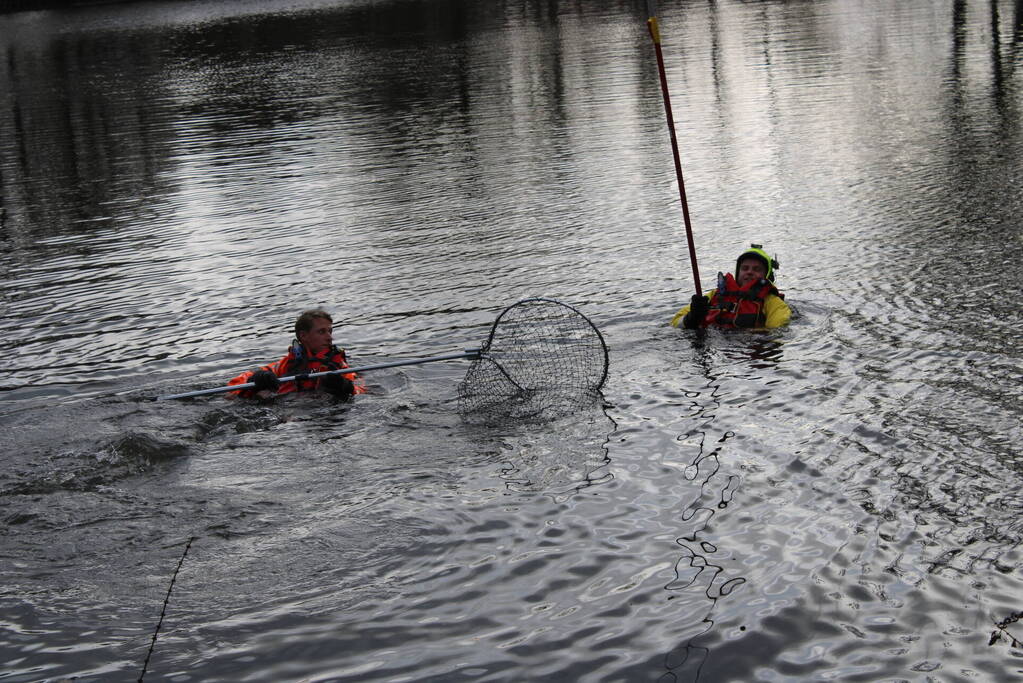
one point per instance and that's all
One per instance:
(698, 308)
(337, 385)
(265, 381)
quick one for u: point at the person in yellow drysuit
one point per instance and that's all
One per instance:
(747, 300)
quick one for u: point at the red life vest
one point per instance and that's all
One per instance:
(735, 306)
(299, 362)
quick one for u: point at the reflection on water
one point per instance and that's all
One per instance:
(559, 460)
(838, 499)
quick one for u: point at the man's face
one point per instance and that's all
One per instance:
(319, 337)
(750, 269)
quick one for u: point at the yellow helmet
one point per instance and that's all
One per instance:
(757, 251)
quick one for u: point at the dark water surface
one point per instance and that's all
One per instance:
(837, 500)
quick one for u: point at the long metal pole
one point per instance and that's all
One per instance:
(343, 371)
(655, 34)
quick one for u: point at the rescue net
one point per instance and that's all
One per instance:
(542, 358)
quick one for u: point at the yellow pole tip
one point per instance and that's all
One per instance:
(655, 31)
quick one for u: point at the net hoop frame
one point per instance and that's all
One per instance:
(485, 347)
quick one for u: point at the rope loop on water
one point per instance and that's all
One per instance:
(163, 611)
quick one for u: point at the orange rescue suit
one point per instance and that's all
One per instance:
(299, 362)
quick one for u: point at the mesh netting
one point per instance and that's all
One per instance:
(543, 358)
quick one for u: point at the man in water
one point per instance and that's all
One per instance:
(746, 300)
(312, 351)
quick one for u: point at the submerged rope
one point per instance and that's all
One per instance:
(163, 611)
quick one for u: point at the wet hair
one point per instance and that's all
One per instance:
(305, 321)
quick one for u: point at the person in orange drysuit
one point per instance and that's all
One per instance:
(312, 351)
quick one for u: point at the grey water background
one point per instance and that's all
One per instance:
(838, 500)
